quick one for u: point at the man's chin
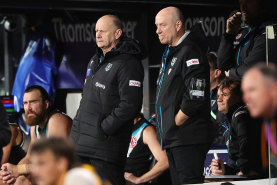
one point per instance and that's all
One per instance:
(30, 122)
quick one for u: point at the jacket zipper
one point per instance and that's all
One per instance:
(165, 55)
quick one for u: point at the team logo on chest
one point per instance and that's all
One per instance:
(133, 142)
(173, 61)
(108, 67)
(213, 102)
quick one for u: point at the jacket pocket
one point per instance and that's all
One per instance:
(168, 123)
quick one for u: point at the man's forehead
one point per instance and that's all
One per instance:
(43, 154)
(252, 76)
(105, 22)
(35, 94)
(225, 89)
(163, 18)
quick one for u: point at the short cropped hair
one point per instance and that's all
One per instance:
(212, 59)
(268, 72)
(233, 85)
(180, 16)
(43, 92)
(116, 21)
(58, 146)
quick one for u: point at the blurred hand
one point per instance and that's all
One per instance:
(240, 173)
(215, 167)
(233, 23)
(8, 173)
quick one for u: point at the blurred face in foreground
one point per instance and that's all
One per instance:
(258, 94)
(46, 168)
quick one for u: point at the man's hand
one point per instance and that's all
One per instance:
(227, 73)
(215, 167)
(240, 173)
(233, 23)
(8, 173)
(130, 177)
(180, 118)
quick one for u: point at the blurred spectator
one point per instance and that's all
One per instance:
(5, 133)
(144, 145)
(43, 122)
(259, 87)
(14, 151)
(242, 134)
(242, 47)
(52, 158)
(217, 117)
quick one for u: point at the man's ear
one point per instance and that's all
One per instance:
(62, 164)
(118, 33)
(47, 104)
(179, 25)
(217, 73)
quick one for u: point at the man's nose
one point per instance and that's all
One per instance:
(158, 30)
(98, 35)
(29, 107)
(219, 98)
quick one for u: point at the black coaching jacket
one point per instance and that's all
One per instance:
(243, 140)
(238, 52)
(112, 97)
(184, 84)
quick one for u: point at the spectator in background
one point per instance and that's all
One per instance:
(240, 48)
(143, 145)
(43, 122)
(112, 97)
(242, 134)
(182, 102)
(5, 133)
(217, 117)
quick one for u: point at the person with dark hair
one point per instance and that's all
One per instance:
(44, 122)
(5, 132)
(143, 147)
(54, 162)
(241, 134)
(112, 97)
(242, 47)
(216, 77)
(183, 102)
(51, 159)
